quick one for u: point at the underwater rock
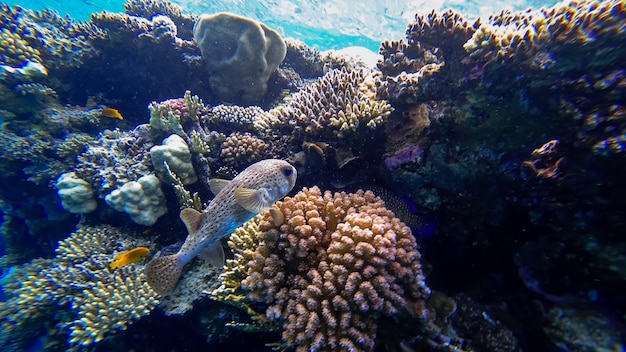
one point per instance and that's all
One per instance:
(240, 54)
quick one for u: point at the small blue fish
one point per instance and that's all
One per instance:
(254, 190)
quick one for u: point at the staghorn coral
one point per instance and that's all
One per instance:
(77, 280)
(338, 263)
(241, 149)
(334, 106)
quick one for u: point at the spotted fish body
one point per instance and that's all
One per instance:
(254, 190)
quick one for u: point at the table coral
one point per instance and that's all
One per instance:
(337, 263)
(95, 301)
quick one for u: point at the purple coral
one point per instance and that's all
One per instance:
(408, 154)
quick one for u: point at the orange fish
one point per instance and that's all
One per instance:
(129, 257)
(112, 113)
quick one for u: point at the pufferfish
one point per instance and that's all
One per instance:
(254, 190)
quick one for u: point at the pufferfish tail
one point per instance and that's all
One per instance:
(163, 273)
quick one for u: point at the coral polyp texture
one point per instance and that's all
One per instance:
(241, 149)
(337, 264)
(95, 300)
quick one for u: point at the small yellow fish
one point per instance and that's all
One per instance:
(112, 113)
(129, 257)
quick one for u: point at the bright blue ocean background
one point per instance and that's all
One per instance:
(323, 24)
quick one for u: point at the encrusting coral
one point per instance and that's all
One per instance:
(336, 264)
(115, 158)
(96, 300)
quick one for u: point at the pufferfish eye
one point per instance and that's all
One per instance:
(288, 171)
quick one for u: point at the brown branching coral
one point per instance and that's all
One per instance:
(338, 263)
(334, 106)
(242, 149)
(433, 41)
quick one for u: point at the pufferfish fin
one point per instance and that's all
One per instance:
(192, 219)
(217, 185)
(214, 255)
(253, 200)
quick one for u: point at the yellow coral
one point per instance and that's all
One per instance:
(16, 51)
(111, 305)
(101, 301)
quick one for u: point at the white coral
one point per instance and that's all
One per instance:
(174, 152)
(76, 194)
(143, 200)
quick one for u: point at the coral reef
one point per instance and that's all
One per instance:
(434, 46)
(240, 54)
(338, 263)
(96, 302)
(511, 125)
(333, 107)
